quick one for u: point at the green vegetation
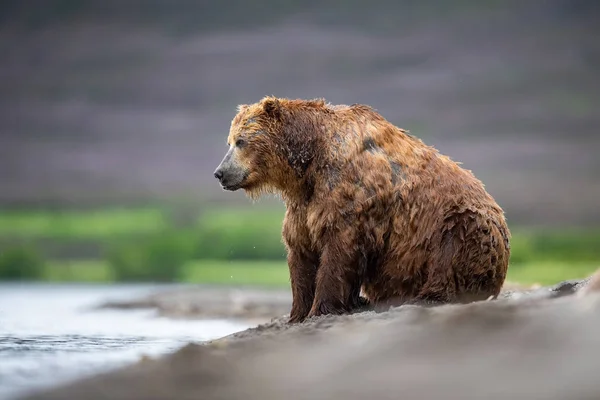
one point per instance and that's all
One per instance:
(158, 258)
(95, 271)
(20, 263)
(217, 246)
(566, 245)
(550, 272)
(95, 224)
(240, 234)
(260, 273)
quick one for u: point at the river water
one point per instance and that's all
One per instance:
(51, 334)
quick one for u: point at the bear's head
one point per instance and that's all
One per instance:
(270, 146)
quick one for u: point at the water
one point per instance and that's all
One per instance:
(50, 334)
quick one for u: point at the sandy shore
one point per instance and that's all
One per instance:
(198, 302)
(529, 344)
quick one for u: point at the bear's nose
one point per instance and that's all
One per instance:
(219, 174)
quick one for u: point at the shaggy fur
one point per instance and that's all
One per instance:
(369, 208)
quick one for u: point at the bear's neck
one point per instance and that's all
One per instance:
(298, 191)
(304, 146)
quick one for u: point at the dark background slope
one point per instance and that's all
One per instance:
(130, 101)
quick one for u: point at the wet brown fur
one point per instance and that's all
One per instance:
(369, 209)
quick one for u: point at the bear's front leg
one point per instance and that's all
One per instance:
(338, 282)
(303, 271)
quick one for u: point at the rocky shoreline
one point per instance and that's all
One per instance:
(537, 343)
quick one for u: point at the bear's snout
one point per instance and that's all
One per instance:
(225, 179)
(230, 173)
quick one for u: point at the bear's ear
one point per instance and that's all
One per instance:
(272, 107)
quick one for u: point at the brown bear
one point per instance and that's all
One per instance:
(371, 210)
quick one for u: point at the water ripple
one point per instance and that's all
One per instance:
(50, 334)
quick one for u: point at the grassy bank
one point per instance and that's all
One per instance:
(275, 273)
(261, 273)
(217, 246)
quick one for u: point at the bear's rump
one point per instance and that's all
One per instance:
(468, 259)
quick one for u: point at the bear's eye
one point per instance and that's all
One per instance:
(240, 142)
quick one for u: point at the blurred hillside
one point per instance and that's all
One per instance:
(130, 101)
